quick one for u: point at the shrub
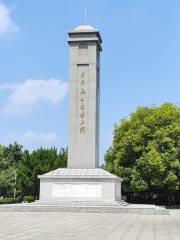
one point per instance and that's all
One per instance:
(28, 198)
(8, 200)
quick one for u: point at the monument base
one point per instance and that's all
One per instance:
(82, 185)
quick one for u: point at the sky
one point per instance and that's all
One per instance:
(140, 64)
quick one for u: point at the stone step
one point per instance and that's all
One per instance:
(137, 209)
(80, 203)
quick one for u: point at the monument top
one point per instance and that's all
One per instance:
(83, 30)
(84, 27)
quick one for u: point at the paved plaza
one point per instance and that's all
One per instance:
(88, 226)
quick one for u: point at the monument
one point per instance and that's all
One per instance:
(83, 180)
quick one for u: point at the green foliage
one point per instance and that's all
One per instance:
(13, 154)
(8, 200)
(7, 181)
(28, 198)
(146, 152)
(38, 162)
(10, 158)
(19, 164)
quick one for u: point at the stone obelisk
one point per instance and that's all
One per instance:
(83, 148)
(82, 180)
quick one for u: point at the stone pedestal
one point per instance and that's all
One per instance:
(94, 185)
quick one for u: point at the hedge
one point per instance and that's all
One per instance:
(28, 198)
(8, 200)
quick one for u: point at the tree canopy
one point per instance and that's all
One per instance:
(15, 162)
(146, 153)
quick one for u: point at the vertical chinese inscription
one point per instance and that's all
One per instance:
(82, 103)
(82, 99)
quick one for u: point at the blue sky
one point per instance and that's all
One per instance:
(140, 64)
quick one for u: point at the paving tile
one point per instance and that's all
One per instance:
(88, 226)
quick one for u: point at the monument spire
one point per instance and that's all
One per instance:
(85, 15)
(83, 144)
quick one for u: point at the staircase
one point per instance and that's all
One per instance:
(85, 207)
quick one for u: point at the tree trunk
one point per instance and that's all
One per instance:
(171, 199)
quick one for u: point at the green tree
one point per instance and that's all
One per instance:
(38, 162)
(13, 153)
(10, 158)
(146, 152)
(7, 182)
(13, 159)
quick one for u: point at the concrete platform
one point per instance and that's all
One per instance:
(90, 185)
(86, 208)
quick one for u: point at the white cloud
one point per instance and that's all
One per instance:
(6, 22)
(38, 137)
(30, 137)
(8, 86)
(25, 96)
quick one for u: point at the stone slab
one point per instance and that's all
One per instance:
(79, 173)
(116, 208)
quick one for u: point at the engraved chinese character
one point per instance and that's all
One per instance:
(82, 130)
(82, 115)
(82, 99)
(82, 106)
(83, 74)
(83, 92)
(82, 122)
(82, 82)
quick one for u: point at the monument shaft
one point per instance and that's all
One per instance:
(83, 132)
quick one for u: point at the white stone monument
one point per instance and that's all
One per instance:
(83, 180)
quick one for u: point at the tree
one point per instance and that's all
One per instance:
(10, 157)
(146, 153)
(14, 159)
(7, 183)
(38, 162)
(13, 153)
